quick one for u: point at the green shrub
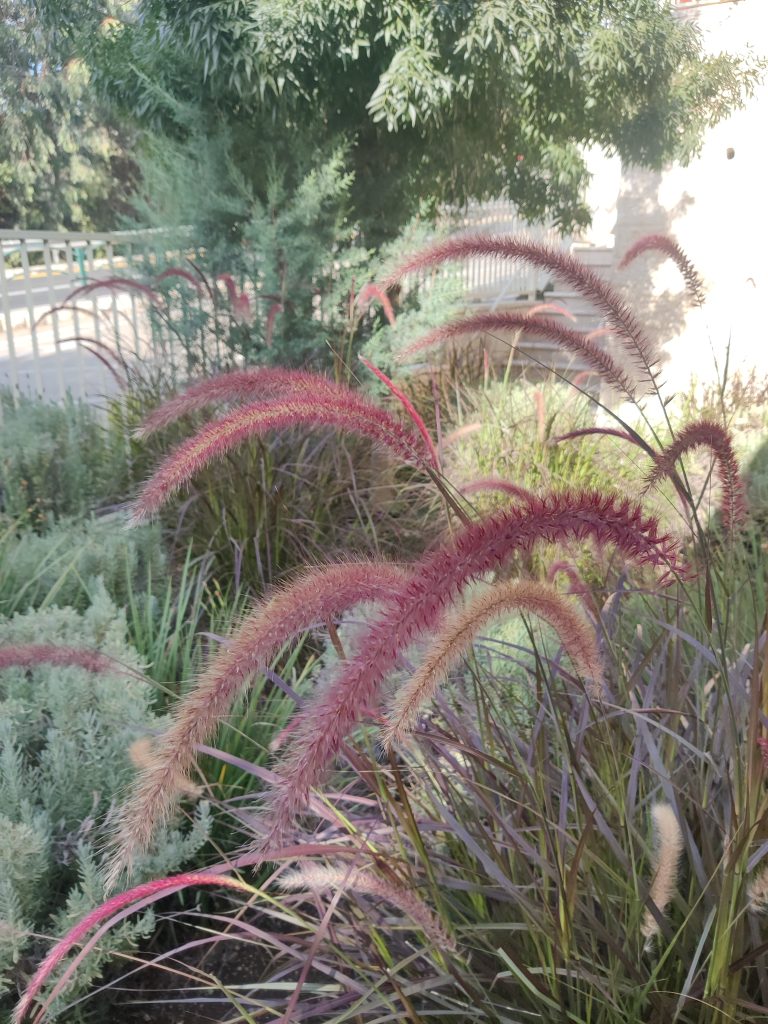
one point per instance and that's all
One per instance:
(64, 739)
(57, 460)
(58, 567)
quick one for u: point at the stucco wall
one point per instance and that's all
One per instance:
(717, 209)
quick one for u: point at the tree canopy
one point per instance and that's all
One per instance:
(436, 102)
(63, 161)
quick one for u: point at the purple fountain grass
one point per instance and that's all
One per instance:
(578, 586)
(669, 847)
(114, 284)
(372, 291)
(32, 655)
(456, 634)
(238, 386)
(239, 301)
(349, 412)
(269, 328)
(75, 936)
(707, 433)
(317, 596)
(623, 435)
(671, 249)
(437, 579)
(563, 265)
(550, 307)
(573, 341)
(409, 407)
(98, 350)
(496, 483)
(319, 877)
(186, 275)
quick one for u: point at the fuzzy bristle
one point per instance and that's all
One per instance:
(437, 579)
(31, 655)
(317, 596)
(671, 249)
(350, 413)
(259, 383)
(76, 935)
(669, 848)
(455, 636)
(318, 877)
(574, 342)
(708, 434)
(565, 266)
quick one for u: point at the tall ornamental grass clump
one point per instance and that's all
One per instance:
(582, 837)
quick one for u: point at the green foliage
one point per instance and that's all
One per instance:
(516, 423)
(64, 739)
(63, 162)
(59, 567)
(58, 460)
(439, 103)
(293, 249)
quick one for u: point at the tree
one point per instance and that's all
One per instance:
(439, 102)
(63, 164)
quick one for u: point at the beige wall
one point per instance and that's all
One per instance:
(716, 208)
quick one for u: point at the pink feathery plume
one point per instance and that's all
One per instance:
(550, 307)
(317, 596)
(274, 309)
(239, 301)
(115, 284)
(409, 407)
(238, 386)
(496, 483)
(461, 432)
(318, 877)
(711, 435)
(454, 636)
(186, 275)
(623, 435)
(573, 341)
(600, 332)
(372, 291)
(437, 579)
(75, 936)
(566, 267)
(578, 586)
(671, 249)
(582, 377)
(350, 413)
(31, 655)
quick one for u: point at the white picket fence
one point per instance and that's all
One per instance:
(53, 342)
(44, 329)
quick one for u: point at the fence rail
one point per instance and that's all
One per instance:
(48, 337)
(43, 330)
